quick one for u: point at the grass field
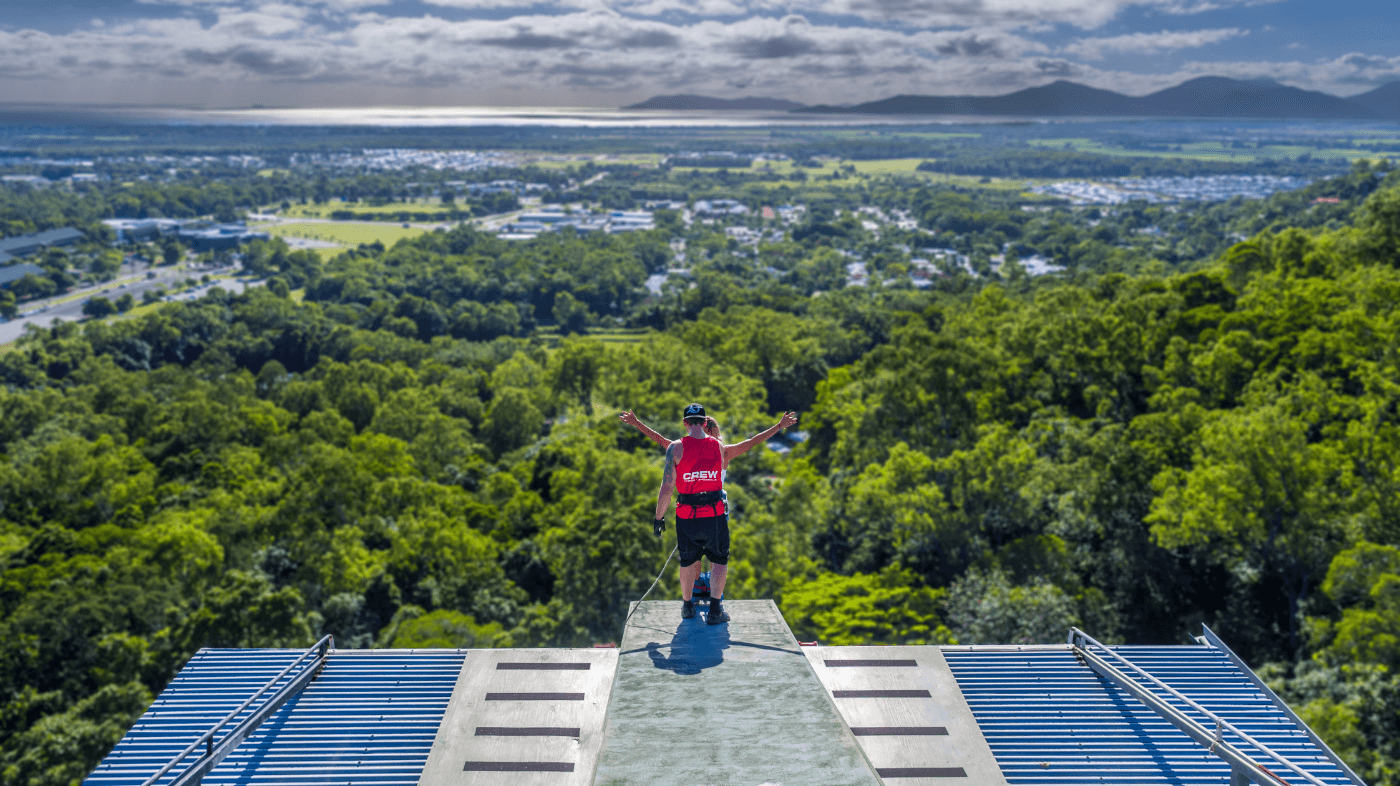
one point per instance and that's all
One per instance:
(346, 233)
(426, 205)
(891, 167)
(327, 254)
(1204, 151)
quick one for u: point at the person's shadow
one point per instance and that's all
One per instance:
(694, 647)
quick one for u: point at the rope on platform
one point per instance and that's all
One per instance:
(649, 589)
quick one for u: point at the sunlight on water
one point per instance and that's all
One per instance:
(470, 116)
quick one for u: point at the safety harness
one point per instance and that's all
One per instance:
(703, 498)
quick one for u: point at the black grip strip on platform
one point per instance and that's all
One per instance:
(536, 696)
(881, 694)
(921, 772)
(518, 766)
(895, 731)
(838, 663)
(543, 666)
(526, 731)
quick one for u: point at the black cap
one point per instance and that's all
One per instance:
(693, 411)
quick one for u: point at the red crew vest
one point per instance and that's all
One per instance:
(700, 469)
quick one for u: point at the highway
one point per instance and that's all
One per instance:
(132, 279)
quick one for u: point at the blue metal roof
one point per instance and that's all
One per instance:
(28, 244)
(1051, 720)
(12, 273)
(370, 718)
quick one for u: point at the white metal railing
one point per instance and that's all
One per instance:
(215, 753)
(1240, 763)
(1210, 639)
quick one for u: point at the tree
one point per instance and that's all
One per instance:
(1261, 496)
(1364, 582)
(8, 308)
(62, 748)
(170, 250)
(883, 608)
(413, 628)
(98, 307)
(31, 286)
(571, 315)
(512, 421)
(986, 608)
(106, 264)
(125, 303)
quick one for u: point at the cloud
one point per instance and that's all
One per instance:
(1056, 68)
(1185, 7)
(970, 46)
(1150, 43)
(610, 52)
(775, 47)
(648, 39)
(921, 14)
(257, 61)
(528, 40)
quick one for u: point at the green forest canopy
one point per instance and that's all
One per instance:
(396, 462)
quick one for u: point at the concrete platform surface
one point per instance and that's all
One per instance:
(523, 718)
(905, 708)
(724, 705)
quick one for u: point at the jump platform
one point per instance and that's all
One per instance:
(734, 704)
(738, 704)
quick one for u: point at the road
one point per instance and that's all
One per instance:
(132, 279)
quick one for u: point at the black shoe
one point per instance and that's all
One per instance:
(687, 610)
(716, 615)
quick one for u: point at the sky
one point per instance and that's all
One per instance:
(606, 53)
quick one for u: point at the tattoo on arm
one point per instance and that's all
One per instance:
(669, 475)
(668, 479)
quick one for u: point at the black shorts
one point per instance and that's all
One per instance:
(707, 536)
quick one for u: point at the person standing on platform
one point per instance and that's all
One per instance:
(695, 466)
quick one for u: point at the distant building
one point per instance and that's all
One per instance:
(744, 234)
(33, 180)
(13, 273)
(546, 217)
(720, 207)
(219, 236)
(129, 229)
(630, 221)
(24, 245)
(528, 225)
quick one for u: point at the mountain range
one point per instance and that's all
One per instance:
(1207, 96)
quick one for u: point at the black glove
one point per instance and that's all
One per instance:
(659, 526)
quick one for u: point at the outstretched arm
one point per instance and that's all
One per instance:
(668, 479)
(632, 420)
(734, 451)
